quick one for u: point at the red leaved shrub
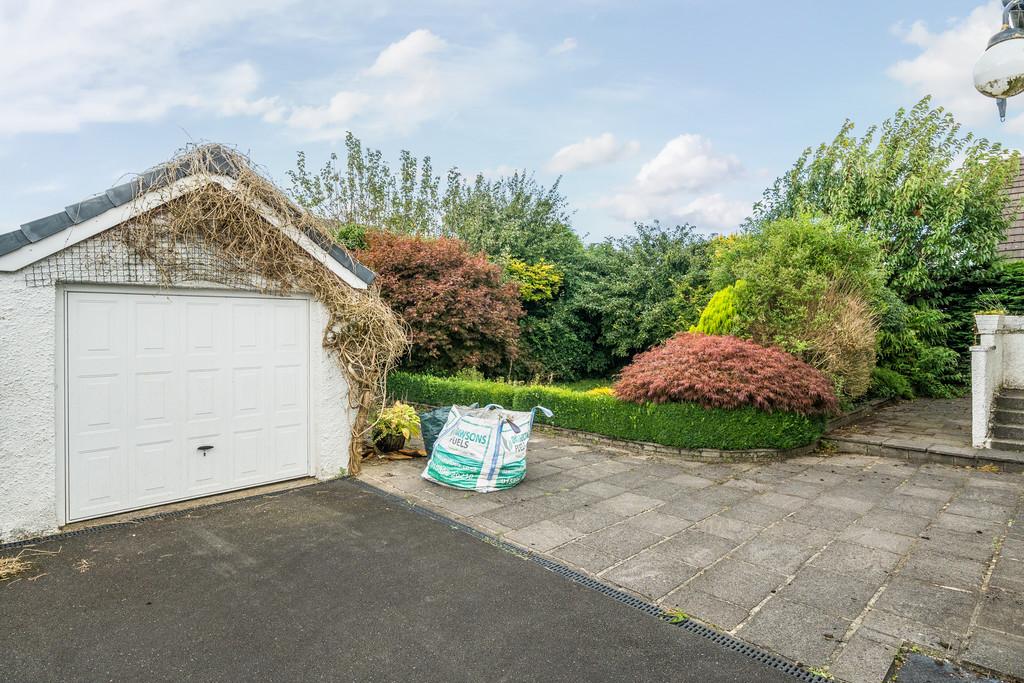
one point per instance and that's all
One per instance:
(460, 313)
(725, 372)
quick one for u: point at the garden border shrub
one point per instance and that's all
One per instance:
(681, 425)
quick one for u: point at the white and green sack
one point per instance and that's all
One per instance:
(481, 449)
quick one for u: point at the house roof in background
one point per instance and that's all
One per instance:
(218, 163)
(1012, 246)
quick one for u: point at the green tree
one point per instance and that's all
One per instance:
(805, 285)
(641, 284)
(510, 217)
(366, 192)
(933, 198)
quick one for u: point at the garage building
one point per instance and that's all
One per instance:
(121, 391)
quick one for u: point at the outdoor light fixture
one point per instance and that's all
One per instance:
(999, 72)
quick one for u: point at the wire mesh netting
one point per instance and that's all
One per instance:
(105, 259)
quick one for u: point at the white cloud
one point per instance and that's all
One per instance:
(687, 162)
(567, 45)
(64, 65)
(675, 184)
(416, 79)
(408, 54)
(499, 171)
(591, 151)
(713, 211)
(334, 115)
(944, 66)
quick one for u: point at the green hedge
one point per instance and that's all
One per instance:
(683, 425)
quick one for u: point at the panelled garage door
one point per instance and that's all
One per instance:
(170, 397)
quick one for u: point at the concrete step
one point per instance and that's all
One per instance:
(1008, 445)
(1013, 418)
(1011, 432)
(1009, 402)
(1011, 393)
(1006, 454)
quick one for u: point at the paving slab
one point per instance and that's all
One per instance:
(944, 569)
(709, 609)
(857, 561)
(621, 541)
(810, 635)
(584, 557)
(997, 651)
(697, 548)
(726, 527)
(949, 609)
(659, 523)
(832, 593)
(739, 582)
(1002, 610)
(653, 572)
(774, 553)
(543, 535)
(864, 660)
(876, 538)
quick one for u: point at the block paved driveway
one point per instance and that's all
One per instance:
(832, 560)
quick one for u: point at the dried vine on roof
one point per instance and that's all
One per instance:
(241, 226)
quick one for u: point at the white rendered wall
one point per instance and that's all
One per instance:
(997, 361)
(31, 464)
(28, 461)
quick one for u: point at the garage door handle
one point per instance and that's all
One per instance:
(205, 448)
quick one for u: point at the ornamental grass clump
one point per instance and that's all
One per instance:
(725, 372)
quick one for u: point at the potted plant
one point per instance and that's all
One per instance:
(987, 322)
(394, 425)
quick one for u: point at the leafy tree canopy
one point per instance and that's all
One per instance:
(932, 197)
(640, 285)
(510, 217)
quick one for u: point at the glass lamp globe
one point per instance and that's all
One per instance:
(1000, 71)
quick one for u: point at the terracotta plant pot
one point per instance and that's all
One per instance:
(389, 443)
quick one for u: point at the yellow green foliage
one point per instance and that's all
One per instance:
(721, 315)
(537, 282)
(400, 418)
(600, 391)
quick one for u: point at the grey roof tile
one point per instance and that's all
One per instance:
(123, 193)
(44, 227)
(89, 208)
(342, 256)
(12, 241)
(1012, 246)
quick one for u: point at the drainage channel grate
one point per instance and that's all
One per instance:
(722, 639)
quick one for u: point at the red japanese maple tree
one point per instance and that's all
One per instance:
(725, 372)
(459, 311)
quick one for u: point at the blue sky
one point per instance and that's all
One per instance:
(681, 111)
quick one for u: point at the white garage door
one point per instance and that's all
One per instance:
(170, 397)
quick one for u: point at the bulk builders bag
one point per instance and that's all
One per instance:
(481, 449)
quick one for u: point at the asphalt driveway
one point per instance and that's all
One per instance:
(328, 582)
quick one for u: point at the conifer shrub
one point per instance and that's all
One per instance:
(721, 315)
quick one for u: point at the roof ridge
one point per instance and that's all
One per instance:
(216, 158)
